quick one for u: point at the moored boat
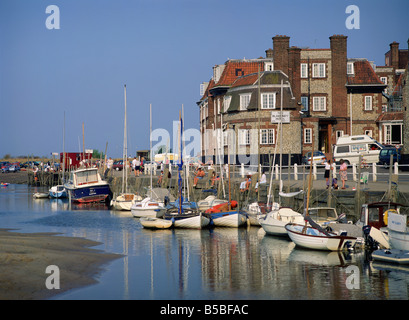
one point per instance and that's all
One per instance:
(155, 223)
(125, 201)
(398, 230)
(391, 256)
(148, 207)
(275, 221)
(86, 185)
(221, 216)
(58, 191)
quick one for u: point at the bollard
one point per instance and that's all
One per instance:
(374, 172)
(277, 174)
(242, 170)
(395, 168)
(314, 171)
(295, 171)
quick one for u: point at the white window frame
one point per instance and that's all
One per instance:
(268, 99)
(308, 136)
(304, 70)
(304, 107)
(350, 68)
(269, 66)
(245, 101)
(318, 70)
(244, 136)
(319, 103)
(267, 136)
(368, 103)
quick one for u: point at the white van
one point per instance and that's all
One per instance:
(349, 148)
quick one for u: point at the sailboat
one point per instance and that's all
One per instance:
(184, 214)
(125, 200)
(227, 214)
(59, 191)
(312, 236)
(149, 206)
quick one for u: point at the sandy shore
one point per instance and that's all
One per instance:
(25, 257)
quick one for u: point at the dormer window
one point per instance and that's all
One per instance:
(269, 66)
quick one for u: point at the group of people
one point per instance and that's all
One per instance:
(342, 174)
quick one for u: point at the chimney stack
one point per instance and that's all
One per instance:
(394, 60)
(280, 54)
(339, 75)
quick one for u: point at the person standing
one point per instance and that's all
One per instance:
(343, 172)
(327, 171)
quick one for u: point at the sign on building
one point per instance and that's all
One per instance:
(275, 117)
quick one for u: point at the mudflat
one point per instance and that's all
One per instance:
(24, 258)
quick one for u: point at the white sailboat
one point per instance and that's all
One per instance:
(149, 206)
(125, 200)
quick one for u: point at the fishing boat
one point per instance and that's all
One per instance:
(155, 223)
(307, 236)
(276, 220)
(148, 207)
(58, 191)
(86, 185)
(223, 215)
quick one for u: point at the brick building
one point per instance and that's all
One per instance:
(321, 93)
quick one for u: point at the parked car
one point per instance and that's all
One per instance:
(385, 156)
(14, 168)
(5, 168)
(318, 158)
(118, 165)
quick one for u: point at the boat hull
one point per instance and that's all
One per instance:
(154, 212)
(391, 256)
(232, 219)
(155, 223)
(88, 194)
(189, 221)
(313, 239)
(275, 221)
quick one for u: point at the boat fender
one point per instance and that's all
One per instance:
(385, 215)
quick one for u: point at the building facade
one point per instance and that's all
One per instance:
(313, 96)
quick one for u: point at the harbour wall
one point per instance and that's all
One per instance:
(347, 201)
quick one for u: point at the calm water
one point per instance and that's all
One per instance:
(220, 263)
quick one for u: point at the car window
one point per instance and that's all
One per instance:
(342, 149)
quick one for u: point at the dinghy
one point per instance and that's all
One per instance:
(392, 256)
(155, 223)
(312, 238)
(57, 192)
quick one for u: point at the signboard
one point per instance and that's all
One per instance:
(275, 116)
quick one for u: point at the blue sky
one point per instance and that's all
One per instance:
(161, 49)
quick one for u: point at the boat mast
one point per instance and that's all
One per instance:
(150, 141)
(125, 152)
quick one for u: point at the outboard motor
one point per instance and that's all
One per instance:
(370, 243)
(342, 218)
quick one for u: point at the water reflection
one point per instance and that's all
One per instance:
(219, 263)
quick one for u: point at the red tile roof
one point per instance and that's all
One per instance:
(363, 74)
(245, 80)
(235, 69)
